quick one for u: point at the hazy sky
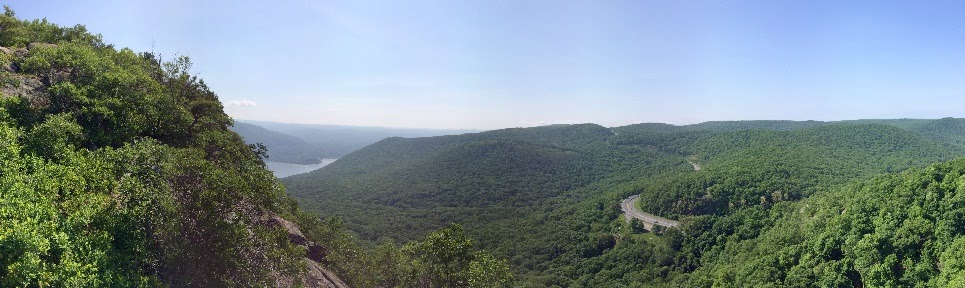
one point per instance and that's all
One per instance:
(493, 64)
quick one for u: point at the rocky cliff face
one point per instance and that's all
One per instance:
(26, 86)
(316, 276)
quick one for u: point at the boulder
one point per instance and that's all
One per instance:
(20, 52)
(28, 87)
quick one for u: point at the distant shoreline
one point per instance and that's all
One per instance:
(283, 169)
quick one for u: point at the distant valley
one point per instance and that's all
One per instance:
(309, 144)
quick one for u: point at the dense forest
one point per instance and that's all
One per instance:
(118, 169)
(546, 198)
(889, 231)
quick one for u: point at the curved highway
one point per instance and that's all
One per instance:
(630, 211)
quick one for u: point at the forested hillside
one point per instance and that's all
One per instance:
(889, 231)
(547, 197)
(118, 169)
(753, 167)
(409, 186)
(950, 130)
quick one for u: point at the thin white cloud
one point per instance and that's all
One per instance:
(242, 103)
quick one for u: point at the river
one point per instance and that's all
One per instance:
(282, 169)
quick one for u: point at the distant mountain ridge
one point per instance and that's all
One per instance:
(309, 143)
(910, 124)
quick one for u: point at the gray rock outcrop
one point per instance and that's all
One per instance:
(316, 276)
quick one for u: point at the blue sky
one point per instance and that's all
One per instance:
(495, 64)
